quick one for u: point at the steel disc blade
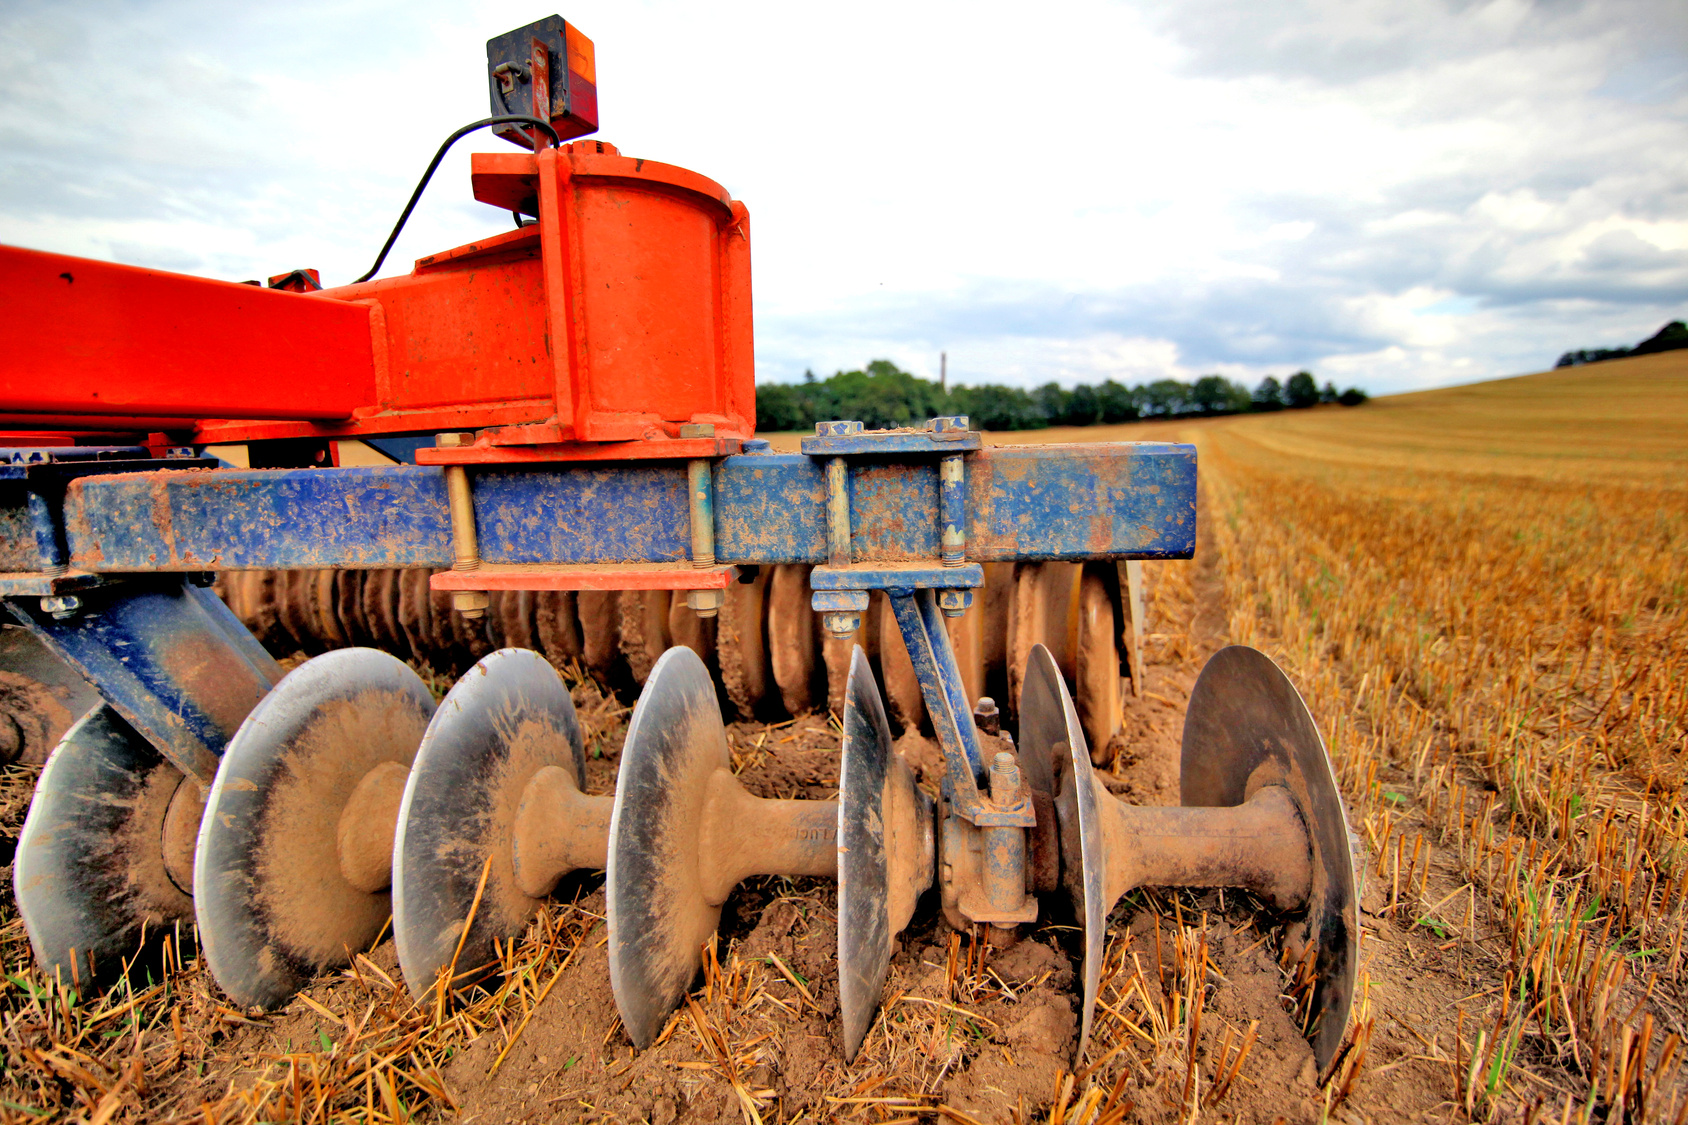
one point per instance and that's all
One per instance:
(40, 697)
(885, 852)
(658, 915)
(1043, 724)
(274, 906)
(1049, 722)
(89, 873)
(508, 717)
(1244, 714)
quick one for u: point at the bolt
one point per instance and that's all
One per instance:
(470, 603)
(841, 623)
(986, 716)
(1005, 778)
(707, 603)
(62, 608)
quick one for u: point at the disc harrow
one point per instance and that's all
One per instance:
(586, 490)
(766, 649)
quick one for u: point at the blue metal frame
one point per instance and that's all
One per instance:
(1025, 503)
(168, 656)
(924, 510)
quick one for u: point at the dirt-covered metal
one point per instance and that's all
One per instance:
(885, 852)
(294, 853)
(493, 816)
(90, 874)
(1259, 799)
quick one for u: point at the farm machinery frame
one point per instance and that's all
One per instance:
(579, 396)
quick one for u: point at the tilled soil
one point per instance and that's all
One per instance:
(1196, 1019)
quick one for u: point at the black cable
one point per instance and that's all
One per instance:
(501, 119)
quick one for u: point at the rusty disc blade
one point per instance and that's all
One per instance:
(1245, 714)
(508, 717)
(885, 852)
(90, 871)
(659, 917)
(274, 905)
(1049, 725)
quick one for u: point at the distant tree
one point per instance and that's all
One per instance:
(1116, 403)
(1051, 402)
(1301, 391)
(1592, 355)
(997, 408)
(1163, 398)
(1215, 394)
(780, 408)
(1672, 336)
(881, 395)
(1269, 395)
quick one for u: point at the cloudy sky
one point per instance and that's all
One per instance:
(1396, 195)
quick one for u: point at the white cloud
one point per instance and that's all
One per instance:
(1395, 193)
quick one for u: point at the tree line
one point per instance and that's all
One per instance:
(883, 396)
(1672, 336)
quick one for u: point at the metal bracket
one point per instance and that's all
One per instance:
(168, 656)
(922, 593)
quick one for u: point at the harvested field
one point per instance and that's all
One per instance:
(1483, 594)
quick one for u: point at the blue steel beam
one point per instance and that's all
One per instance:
(169, 657)
(1027, 503)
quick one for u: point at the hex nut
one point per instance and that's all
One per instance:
(470, 603)
(837, 429)
(62, 608)
(950, 424)
(697, 429)
(954, 603)
(707, 603)
(841, 624)
(453, 440)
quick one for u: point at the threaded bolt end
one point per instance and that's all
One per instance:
(1005, 778)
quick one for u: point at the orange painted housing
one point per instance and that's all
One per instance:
(622, 314)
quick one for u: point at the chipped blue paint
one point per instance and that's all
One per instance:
(169, 657)
(1028, 503)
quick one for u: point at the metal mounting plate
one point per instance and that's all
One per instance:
(872, 442)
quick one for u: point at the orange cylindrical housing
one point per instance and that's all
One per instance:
(647, 280)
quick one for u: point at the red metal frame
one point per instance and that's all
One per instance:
(621, 315)
(602, 576)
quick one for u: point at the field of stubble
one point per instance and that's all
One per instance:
(1483, 594)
